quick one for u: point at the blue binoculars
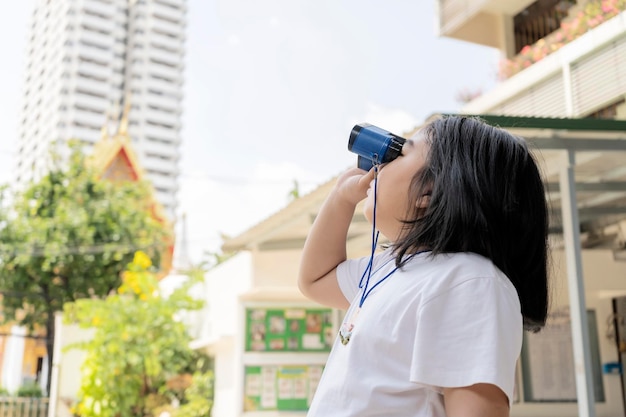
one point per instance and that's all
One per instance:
(374, 145)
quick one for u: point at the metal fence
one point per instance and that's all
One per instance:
(23, 407)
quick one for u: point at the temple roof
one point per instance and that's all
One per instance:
(114, 158)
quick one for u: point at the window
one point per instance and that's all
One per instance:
(538, 20)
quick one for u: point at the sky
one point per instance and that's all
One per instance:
(272, 90)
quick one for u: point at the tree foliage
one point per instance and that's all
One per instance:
(139, 360)
(68, 236)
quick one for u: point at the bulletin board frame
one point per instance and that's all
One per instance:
(280, 387)
(547, 361)
(288, 329)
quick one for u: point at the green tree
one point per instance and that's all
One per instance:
(139, 359)
(294, 193)
(198, 397)
(68, 236)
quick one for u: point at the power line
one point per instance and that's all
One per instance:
(247, 181)
(235, 180)
(76, 250)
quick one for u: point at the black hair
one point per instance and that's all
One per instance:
(486, 197)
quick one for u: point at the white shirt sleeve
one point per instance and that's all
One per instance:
(470, 333)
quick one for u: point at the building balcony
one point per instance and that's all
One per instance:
(164, 87)
(164, 101)
(171, 118)
(87, 117)
(585, 76)
(524, 31)
(94, 55)
(162, 11)
(173, 76)
(97, 24)
(157, 148)
(89, 69)
(160, 165)
(83, 134)
(166, 42)
(161, 172)
(91, 87)
(100, 8)
(173, 59)
(165, 27)
(576, 24)
(96, 38)
(174, 4)
(94, 103)
(166, 72)
(161, 133)
(478, 21)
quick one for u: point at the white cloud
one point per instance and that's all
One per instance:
(394, 120)
(234, 40)
(217, 205)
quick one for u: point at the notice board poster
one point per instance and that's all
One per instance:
(289, 330)
(280, 388)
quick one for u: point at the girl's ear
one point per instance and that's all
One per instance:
(423, 201)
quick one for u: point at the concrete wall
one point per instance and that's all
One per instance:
(66, 374)
(225, 285)
(276, 268)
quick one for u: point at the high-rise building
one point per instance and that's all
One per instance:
(90, 58)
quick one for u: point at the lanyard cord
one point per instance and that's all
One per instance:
(368, 268)
(367, 274)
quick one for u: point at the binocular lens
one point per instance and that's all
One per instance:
(374, 145)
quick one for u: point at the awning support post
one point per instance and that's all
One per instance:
(576, 286)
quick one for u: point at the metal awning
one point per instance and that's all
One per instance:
(600, 174)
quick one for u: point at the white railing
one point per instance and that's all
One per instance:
(23, 407)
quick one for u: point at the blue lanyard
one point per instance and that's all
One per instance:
(367, 274)
(375, 233)
(367, 292)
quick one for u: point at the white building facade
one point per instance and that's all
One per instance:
(566, 59)
(89, 59)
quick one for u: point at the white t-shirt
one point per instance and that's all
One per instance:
(451, 320)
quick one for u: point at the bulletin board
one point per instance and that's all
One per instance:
(548, 360)
(289, 330)
(281, 388)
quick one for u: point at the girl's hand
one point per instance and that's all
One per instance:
(353, 184)
(325, 247)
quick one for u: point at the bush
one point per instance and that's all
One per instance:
(30, 390)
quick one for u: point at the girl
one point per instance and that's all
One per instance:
(434, 322)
